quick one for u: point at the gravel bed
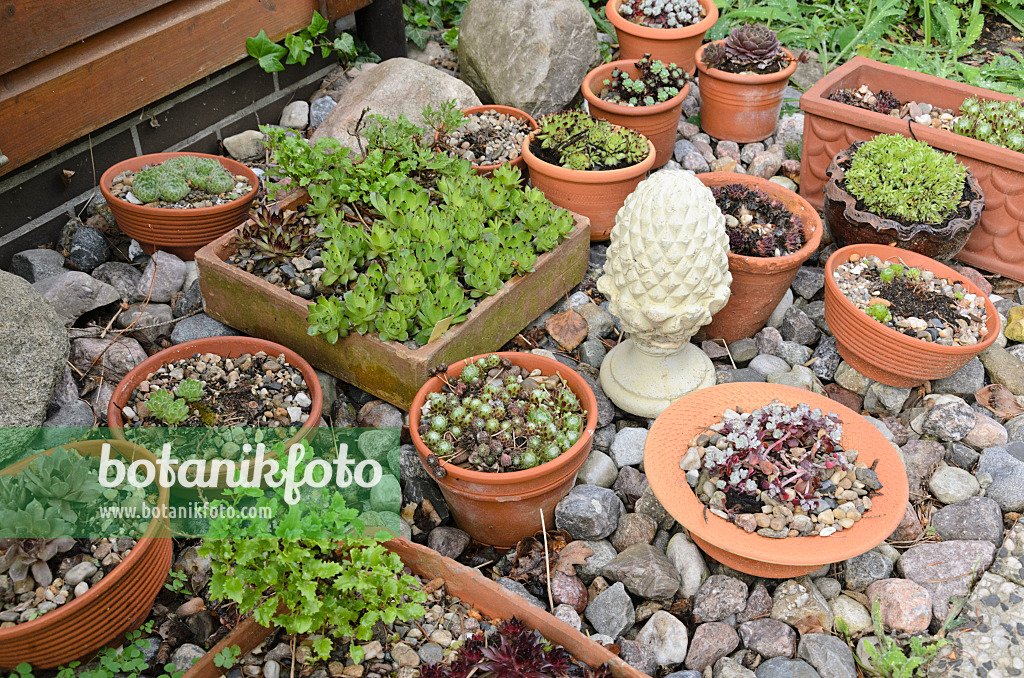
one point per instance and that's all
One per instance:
(489, 138)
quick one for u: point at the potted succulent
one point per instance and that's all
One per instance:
(780, 446)
(178, 202)
(772, 232)
(873, 297)
(504, 425)
(894, 190)
(587, 165)
(395, 263)
(222, 382)
(831, 126)
(47, 491)
(670, 30)
(646, 95)
(491, 137)
(742, 80)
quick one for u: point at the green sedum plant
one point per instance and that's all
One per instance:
(656, 82)
(996, 122)
(906, 180)
(577, 141)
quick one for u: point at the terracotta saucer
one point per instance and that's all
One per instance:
(751, 553)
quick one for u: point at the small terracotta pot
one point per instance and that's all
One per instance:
(502, 508)
(488, 170)
(850, 225)
(658, 122)
(597, 195)
(759, 283)
(228, 347)
(752, 553)
(180, 232)
(675, 45)
(119, 603)
(741, 108)
(882, 353)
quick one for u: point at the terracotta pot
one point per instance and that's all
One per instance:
(882, 353)
(387, 369)
(467, 584)
(752, 553)
(228, 347)
(759, 283)
(658, 122)
(488, 170)
(829, 127)
(119, 603)
(741, 108)
(850, 225)
(597, 195)
(675, 45)
(180, 232)
(502, 508)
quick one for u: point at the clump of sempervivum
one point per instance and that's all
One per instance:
(174, 179)
(577, 141)
(906, 180)
(662, 13)
(995, 122)
(757, 224)
(496, 416)
(749, 48)
(656, 82)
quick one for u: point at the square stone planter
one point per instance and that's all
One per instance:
(829, 127)
(387, 369)
(468, 585)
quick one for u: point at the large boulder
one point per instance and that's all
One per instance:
(74, 293)
(35, 346)
(395, 87)
(532, 54)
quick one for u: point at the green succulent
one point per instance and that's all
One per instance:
(189, 389)
(146, 185)
(655, 83)
(578, 141)
(906, 180)
(164, 406)
(996, 122)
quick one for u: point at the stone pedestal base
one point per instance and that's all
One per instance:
(645, 384)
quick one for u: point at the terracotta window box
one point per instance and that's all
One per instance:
(464, 583)
(387, 369)
(829, 127)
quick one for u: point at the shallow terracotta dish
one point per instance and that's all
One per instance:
(668, 44)
(751, 553)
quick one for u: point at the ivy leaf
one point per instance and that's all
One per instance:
(318, 26)
(299, 49)
(569, 329)
(268, 53)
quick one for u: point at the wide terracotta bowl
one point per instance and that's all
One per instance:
(676, 45)
(882, 353)
(519, 162)
(597, 195)
(119, 603)
(502, 508)
(180, 232)
(741, 108)
(657, 122)
(759, 283)
(752, 553)
(228, 347)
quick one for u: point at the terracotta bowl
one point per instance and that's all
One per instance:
(519, 162)
(676, 45)
(119, 603)
(882, 353)
(180, 232)
(686, 418)
(502, 508)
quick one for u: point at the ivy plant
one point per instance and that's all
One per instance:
(298, 47)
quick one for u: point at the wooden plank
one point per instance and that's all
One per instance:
(29, 31)
(59, 98)
(339, 8)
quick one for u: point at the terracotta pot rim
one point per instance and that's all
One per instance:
(218, 346)
(774, 190)
(590, 176)
(590, 94)
(702, 26)
(589, 402)
(508, 110)
(157, 529)
(138, 161)
(905, 232)
(739, 79)
(887, 334)
(670, 486)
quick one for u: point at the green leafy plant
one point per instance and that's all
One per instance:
(227, 657)
(308, 568)
(889, 659)
(995, 122)
(164, 406)
(298, 47)
(656, 82)
(424, 19)
(751, 47)
(128, 661)
(906, 180)
(176, 581)
(575, 140)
